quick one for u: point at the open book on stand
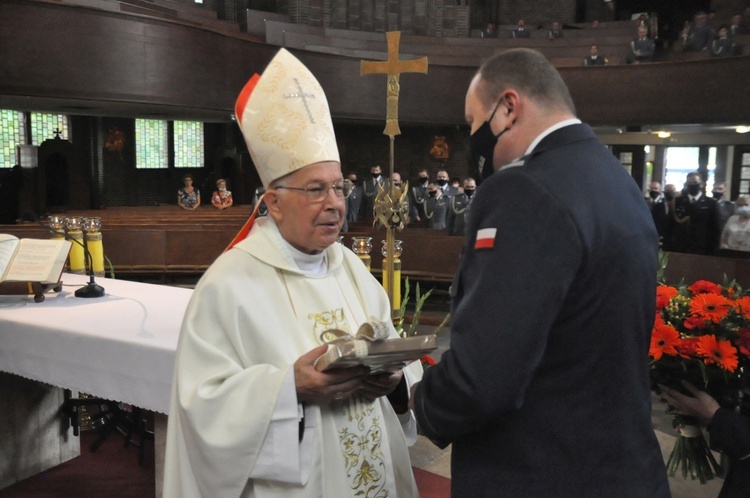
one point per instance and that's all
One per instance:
(32, 260)
(378, 354)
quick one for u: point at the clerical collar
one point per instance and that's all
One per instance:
(312, 265)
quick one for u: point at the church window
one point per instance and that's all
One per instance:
(151, 144)
(12, 133)
(45, 126)
(188, 144)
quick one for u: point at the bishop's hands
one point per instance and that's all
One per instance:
(322, 387)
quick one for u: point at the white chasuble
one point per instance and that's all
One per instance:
(252, 315)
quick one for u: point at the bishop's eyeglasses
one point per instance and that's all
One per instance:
(317, 191)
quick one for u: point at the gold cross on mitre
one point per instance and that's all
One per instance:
(393, 67)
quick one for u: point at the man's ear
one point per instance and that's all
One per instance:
(272, 200)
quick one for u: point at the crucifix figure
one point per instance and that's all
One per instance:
(391, 208)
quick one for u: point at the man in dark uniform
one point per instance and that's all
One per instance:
(544, 391)
(436, 208)
(370, 190)
(458, 208)
(696, 227)
(417, 198)
(353, 202)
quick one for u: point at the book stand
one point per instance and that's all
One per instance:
(37, 289)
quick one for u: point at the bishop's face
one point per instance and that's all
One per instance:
(308, 225)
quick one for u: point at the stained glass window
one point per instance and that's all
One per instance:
(188, 144)
(12, 133)
(43, 127)
(151, 144)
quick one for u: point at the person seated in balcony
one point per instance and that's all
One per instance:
(221, 198)
(737, 28)
(594, 58)
(697, 36)
(723, 44)
(490, 31)
(642, 48)
(188, 197)
(520, 31)
(555, 31)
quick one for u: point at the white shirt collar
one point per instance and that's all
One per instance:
(554, 127)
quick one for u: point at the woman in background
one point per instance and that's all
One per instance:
(736, 233)
(188, 197)
(221, 198)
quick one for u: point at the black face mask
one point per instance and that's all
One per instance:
(482, 145)
(717, 195)
(375, 175)
(669, 195)
(432, 193)
(693, 188)
(469, 192)
(442, 183)
(423, 180)
(654, 193)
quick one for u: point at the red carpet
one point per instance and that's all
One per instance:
(113, 471)
(432, 485)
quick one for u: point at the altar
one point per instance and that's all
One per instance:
(119, 347)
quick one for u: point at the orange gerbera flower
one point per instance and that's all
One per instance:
(711, 307)
(704, 287)
(717, 351)
(743, 306)
(664, 293)
(743, 342)
(664, 340)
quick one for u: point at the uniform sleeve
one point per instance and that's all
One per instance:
(730, 433)
(506, 297)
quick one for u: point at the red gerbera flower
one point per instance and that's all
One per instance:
(743, 306)
(694, 322)
(717, 351)
(712, 307)
(664, 293)
(704, 287)
(664, 340)
(743, 342)
(427, 361)
(687, 348)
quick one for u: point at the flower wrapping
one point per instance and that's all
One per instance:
(701, 334)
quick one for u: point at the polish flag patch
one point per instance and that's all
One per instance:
(485, 238)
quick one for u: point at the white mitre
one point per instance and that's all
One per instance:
(285, 119)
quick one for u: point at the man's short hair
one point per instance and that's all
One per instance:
(527, 71)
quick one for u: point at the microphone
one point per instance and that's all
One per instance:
(91, 289)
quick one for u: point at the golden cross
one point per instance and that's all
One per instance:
(393, 67)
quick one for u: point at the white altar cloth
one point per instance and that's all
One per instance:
(119, 347)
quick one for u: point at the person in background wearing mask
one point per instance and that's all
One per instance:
(724, 206)
(370, 189)
(444, 184)
(418, 196)
(459, 208)
(436, 208)
(353, 202)
(654, 193)
(696, 220)
(736, 233)
(661, 207)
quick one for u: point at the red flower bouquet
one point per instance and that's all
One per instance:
(701, 335)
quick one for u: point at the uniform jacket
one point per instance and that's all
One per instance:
(544, 391)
